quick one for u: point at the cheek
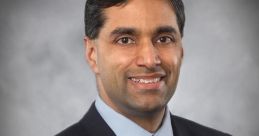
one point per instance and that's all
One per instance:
(172, 58)
(104, 64)
(121, 59)
(113, 65)
(171, 63)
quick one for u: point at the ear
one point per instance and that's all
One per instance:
(182, 55)
(91, 54)
(182, 52)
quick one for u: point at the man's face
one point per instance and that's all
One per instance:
(137, 56)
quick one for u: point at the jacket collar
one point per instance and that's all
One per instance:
(92, 123)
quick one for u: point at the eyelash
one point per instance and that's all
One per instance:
(121, 42)
(129, 40)
(170, 38)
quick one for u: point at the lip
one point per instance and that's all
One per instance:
(151, 81)
(148, 75)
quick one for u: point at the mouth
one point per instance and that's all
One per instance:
(147, 82)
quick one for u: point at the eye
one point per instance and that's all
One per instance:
(125, 40)
(165, 40)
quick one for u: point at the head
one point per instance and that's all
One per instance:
(95, 19)
(134, 47)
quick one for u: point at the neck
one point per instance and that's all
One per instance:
(150, 121)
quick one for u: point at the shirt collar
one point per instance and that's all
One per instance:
(122, 126)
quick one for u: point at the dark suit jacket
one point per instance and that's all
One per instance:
(93, 124)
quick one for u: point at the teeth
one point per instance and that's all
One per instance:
(146, 81)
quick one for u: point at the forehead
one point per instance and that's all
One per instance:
(144, 15)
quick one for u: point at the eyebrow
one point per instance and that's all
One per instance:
(165, 29)
(123, 31)
(132, 31)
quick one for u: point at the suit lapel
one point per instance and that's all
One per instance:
(175, 130)
(178, 130)
(94, 125)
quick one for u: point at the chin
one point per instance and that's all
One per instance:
(149, 107)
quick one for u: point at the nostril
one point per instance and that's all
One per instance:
(149, 62)
(157, 60)
(148, 56)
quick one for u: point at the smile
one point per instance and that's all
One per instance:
(146, 81)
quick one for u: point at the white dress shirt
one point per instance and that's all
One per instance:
(122, 126)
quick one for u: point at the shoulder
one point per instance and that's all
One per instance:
(74, 130)
(78, 129)
(186, 127)
(92, 124)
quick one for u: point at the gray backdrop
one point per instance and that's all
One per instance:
(46, 85)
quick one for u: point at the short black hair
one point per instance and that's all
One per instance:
(94, 18)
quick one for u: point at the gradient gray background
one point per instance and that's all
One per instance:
(46, 85)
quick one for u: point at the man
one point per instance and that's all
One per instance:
(134, 47)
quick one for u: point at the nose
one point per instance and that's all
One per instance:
(148, 56)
